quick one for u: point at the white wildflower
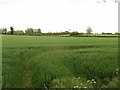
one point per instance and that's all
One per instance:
(92, 79)
(88, 80)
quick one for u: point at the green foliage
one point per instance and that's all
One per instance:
(114, 83)
(67, 32)
(71, 83)
(18, 32)
(9, 32)
(3, 31)
(74, 34)
(12, 30)
(38, 34)
(37, 30)
(89, 30)
(29, 31)
(57, 33)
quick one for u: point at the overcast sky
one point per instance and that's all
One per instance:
(59, 15)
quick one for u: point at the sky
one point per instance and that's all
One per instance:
(60, 15)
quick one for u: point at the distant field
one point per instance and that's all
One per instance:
(44, 62)
(92, 35)
(107, 35)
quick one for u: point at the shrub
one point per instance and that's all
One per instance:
(74, 34)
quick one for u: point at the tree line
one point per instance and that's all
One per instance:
(38, 32)
(28, 31)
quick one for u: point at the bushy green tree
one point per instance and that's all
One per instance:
(12, 30)
(29, 31)
(89, 30)
(4, 30)
(67, 32)
(39, 30)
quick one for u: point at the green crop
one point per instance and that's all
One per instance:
(36, 61)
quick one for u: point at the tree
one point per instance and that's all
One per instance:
(67, 32)
(89, 30)
(38, 30)
(29, 31)
(12, 30)
(117, 33)
(4, 31)
(103, 33)
(35, 30)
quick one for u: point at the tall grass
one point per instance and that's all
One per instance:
(49, 58)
